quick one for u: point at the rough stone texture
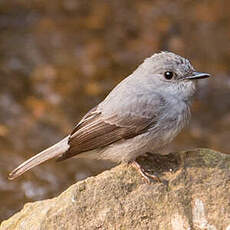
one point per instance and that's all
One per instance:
(194, 194)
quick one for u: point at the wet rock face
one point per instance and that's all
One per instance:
(194, 195)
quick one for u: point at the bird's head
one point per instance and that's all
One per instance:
(171, 73)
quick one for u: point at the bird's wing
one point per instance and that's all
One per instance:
(99, 128)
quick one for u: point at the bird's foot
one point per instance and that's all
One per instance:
(147, 176)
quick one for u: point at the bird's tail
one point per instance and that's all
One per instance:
(47, 154)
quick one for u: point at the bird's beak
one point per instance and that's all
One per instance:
(198, 75)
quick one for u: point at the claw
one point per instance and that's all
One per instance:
(147, 176)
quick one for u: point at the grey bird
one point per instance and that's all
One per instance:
(143, 113)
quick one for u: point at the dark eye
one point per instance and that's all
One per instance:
(168, 75)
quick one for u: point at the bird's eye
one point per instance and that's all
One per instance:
(168, 75)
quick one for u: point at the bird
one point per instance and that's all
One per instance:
(143, 113)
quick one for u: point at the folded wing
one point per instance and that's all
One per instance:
(98, 129)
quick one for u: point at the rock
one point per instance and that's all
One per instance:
(194, 194)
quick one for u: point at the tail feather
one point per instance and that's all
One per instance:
(47, 154)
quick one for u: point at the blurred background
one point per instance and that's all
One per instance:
(60, 58)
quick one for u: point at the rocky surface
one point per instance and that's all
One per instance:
(194, 194)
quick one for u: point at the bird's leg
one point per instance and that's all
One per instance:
(147, 176)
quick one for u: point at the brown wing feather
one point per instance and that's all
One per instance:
(96, 132)
(98, 129)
